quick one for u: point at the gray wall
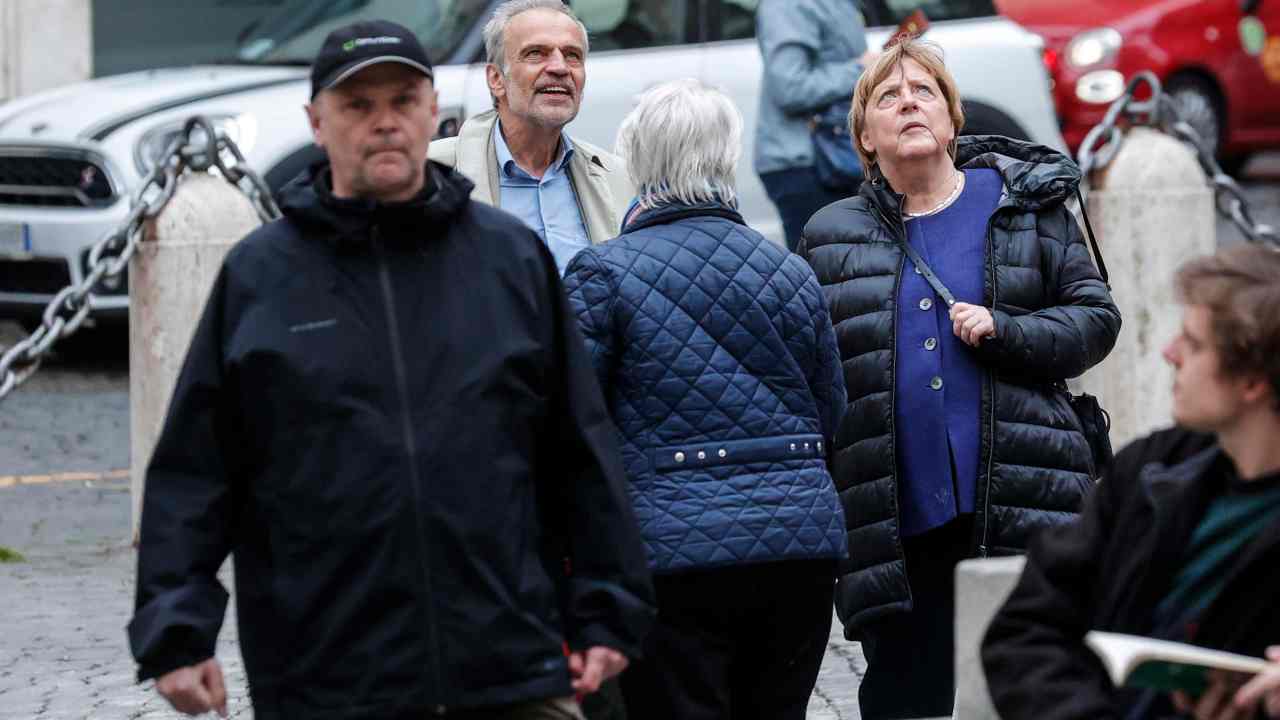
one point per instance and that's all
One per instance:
(43, 44)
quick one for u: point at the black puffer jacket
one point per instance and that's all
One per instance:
(1054, 319)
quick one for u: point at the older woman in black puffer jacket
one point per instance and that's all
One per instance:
(957, 440)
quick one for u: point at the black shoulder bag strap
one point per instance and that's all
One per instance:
(1093, 242)
(927, 272)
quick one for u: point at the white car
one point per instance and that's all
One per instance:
(69, 157)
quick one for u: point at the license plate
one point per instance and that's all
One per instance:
(15, 239)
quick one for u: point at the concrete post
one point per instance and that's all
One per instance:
(169, 281)
(44, 44)
(981, 588)
(1152, 209)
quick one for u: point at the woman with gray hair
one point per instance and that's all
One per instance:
(715, 352)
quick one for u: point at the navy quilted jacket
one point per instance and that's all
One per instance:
(717, 357)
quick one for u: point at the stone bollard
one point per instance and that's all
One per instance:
(981, 588)
(169, 281)
(1152, 208)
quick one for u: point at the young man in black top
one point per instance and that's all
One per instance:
(1181, 541)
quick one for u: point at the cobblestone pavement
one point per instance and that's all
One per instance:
(63, 653)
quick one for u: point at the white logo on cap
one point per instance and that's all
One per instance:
(382, 40)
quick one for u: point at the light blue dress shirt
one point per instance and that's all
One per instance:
(548, 206)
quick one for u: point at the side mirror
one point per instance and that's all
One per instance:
(1249, 7)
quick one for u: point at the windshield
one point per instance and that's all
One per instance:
(892, 12)
(293, 33)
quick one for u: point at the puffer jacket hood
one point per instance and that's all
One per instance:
(1054, 319)
(1036, 177)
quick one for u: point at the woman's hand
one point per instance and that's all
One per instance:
(972, 323)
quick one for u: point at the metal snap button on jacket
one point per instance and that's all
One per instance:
(926, 303)
(931, 343)
(936, 383)
(679, 457)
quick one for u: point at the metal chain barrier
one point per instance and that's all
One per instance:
(1161, 111)
(198, 148)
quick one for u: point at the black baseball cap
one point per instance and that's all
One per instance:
(348, 50)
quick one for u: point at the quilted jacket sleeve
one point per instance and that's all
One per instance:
(608, 596)
(1074, 333)
(591, 296)
(188, 513)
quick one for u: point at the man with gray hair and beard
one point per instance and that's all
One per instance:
(570, 192)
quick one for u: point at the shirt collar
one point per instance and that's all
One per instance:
(508, 164)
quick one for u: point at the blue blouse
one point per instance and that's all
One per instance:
(938, 385)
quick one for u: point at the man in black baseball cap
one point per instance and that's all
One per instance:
(348, 50)
(362, 68)
(388, 415)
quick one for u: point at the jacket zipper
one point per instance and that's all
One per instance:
(411, 448)
(893, 373)
(983, 547)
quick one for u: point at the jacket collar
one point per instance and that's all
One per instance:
(308, 200)
(1034, 176)
(477, 157)
(1180, 494)
(672, 212)
(563, 155)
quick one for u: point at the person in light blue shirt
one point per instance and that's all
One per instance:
(572, 193)
(548, 205)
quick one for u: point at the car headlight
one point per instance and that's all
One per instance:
(1100, 86)
(1093, 47)
(242, 129)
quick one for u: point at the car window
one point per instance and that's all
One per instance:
(892, 12)
(634, 24)
(737, 19)
(296, 30)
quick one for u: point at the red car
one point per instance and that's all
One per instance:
(1220, 59)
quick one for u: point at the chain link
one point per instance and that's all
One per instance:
(197, 148)
(1161, 111)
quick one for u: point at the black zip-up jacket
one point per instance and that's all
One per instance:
(1110, 569)
(388, 416)
(1054, 319)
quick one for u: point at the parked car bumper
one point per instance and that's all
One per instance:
(45, 249)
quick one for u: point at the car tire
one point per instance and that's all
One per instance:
(980, 119)
(1200, 106)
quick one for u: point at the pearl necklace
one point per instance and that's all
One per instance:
(955, 193)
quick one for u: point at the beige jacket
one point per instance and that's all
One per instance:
(599, 178)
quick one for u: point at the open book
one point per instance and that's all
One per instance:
(1139, 661)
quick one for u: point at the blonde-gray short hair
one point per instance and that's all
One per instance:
(682, 143)
(495, 30)
(929, 56)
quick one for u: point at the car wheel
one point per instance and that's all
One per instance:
(1198, 105)
(980, 119)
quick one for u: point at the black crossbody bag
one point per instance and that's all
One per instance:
(1094, 421)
